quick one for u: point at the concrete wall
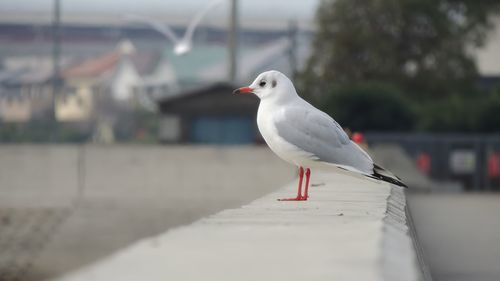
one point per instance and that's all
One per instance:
(124, 203)
(112, 196)
(349, 229)
(38, 176)
(55, 175)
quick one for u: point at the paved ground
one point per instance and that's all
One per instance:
(460, 235)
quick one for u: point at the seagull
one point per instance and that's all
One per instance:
(182, 45)
(305, 136)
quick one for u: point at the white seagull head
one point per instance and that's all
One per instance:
(272, 85)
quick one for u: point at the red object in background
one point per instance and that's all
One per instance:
(424, 162)
(358, 138)
(494, 165)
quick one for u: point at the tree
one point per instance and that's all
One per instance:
(370, 106)
(488, 119)
(421, 46)
(455, 114)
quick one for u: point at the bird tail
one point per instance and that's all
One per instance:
(384, 175)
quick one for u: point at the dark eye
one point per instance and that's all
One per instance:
(262, 83)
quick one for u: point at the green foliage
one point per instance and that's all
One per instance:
(141, 126)
(419, 45)
(488, 118)
(456, 114)
(40, 131)
(462, 114)
(147, 127)
(370, 106)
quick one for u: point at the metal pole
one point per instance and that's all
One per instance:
(56, 52)
(292, 51)
(233, 42)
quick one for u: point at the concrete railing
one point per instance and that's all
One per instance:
(350, 229)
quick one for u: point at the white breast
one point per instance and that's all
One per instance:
(282, 148)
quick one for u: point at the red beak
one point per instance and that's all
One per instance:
(243, 90)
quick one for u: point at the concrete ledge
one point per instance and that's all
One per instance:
(350, 229)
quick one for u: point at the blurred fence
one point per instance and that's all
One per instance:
(473, 160)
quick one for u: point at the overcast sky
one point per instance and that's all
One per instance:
(250, 10)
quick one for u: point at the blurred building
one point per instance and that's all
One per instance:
(24, 93)
(209, 115)
(75, 105)
(106, 88)
(15, 109)
(488, 58)
(105, 76)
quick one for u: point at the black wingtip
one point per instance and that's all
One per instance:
(382, 174)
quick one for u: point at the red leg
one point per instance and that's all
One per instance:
(308, 175)
(299, 192)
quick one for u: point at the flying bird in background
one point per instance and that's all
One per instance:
(182, 45)
(305, 136)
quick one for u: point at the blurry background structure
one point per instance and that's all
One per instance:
(417, 81)
(428, 68)
(110, 68)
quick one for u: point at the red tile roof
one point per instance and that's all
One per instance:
(93, 67)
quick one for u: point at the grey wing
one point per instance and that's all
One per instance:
(197, 19)
(322, 137)
(156, 25)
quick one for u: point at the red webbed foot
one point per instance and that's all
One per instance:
(298, 198)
